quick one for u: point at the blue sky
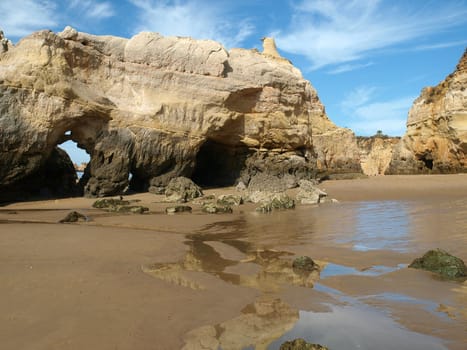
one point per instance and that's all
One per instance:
(368, 59)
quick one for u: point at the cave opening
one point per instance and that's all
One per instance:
(218, 164)
(78, 160)
(78, 156)
(427, 160)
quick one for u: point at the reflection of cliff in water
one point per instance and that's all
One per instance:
(228, 257)
(233, 261)
(258, 325)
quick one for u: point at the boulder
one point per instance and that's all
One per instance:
(74, 216)
(442, 263)
(105, 203)
(182, 189)
(119, 206)
(276, 202)
(229, 200)
(304, 264)
(301, 344)
(308, 193)
(134, 209)
(213, 208)
(178, 209)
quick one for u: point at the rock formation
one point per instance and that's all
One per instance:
(152, 108)
(376, 153)
(436, 137)
(5, 44)
(336, 148)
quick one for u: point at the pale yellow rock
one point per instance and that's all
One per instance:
(147, 104)
(436, 136)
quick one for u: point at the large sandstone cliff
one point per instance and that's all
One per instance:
(155, 107)
(436, 136)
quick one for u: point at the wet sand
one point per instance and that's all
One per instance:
(195, 281)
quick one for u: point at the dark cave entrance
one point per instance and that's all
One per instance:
(218, 164)
(427, 160)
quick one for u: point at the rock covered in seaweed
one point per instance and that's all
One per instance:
(441, 262)
(301, 344)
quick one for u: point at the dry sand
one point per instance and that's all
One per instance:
(133, 281)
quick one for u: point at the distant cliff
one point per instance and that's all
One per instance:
(436, 136)
(376, 153)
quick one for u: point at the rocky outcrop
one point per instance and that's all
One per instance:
(151, 108)
(441, 262)
(5, 44)
(436, 137)
(54, 178)
(336, 148)
(376, 153)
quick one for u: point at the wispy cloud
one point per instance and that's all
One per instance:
(19, 18)
(357, 97)
(440, 45)
(348, 67)
(366, 115)
(195, 18)
(93, 9)
(342, 31)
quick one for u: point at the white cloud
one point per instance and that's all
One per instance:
(357, 97)
(365, 115)
(198, 19)
(341, 31)
(348, 67)
(93, 9)
(440, 45)
(20, 18)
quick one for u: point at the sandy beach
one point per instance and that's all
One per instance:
(208, 281)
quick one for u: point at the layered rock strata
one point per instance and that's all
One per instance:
(152, 108)
(436, 136)
(336, 148)
(376, 153)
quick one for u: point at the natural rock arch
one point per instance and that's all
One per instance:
(153, 107)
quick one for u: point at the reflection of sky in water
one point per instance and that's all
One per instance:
(340, 270)
(379, 225)
(356, 327)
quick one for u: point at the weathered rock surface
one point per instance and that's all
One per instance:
(304, 264)
(436, 137)
(301, 344)
(74, 216)
(441, 262)
(376, 153)
(55, 178)
(182, 189)
(229, 200)
(279, 201)
(336, 148)
(5, 44)
(178, 209)
(308, 193)
(119, 206)
(159, 107)
(215, 208)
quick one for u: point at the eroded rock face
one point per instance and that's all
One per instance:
(376, 153)
(436, 137)
(336, 148)
(156, 108)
